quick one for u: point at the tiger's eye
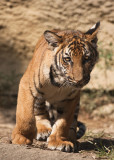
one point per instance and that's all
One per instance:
(67, 59)
(86, 57)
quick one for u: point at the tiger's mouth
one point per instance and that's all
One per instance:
(80, 83)
(61, 80)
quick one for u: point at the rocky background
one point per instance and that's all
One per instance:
(22, 22)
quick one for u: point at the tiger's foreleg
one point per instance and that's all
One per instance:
(25, 129)
(42, 119)
(59, 136)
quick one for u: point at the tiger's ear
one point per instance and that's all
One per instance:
(52, 38)
(91, 34)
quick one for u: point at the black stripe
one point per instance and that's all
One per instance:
(31, 92)
(64, 100)
(60, 111)
(91, 47)
(82, 129)
(83, 45)
(40, 85)
(71, 48)
(56, 60)
(70, 44)
(59, 60)
(39, 106)
(40, 114)
(69, 51)
(36, 86)
(38, 103)
(74, 43)
(74, 129)
(53, 82)
(67, 100)
(80, 124)
(76, 111)
(62, 55)
(71, 93)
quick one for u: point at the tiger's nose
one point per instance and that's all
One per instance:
(78, 77)
(78, 74)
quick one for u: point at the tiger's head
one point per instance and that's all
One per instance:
(75, 54)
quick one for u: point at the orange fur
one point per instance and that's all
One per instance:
(36, 80)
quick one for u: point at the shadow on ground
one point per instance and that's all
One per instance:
(96, 143)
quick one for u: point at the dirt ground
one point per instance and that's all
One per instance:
(100, 132)
(21, 24)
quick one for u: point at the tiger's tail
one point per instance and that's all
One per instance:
(82, 129)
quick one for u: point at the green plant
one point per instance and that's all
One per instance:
(103, 148)
(105, 152)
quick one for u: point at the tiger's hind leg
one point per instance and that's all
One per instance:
(74, 135)
(43, 123)
(73, 128)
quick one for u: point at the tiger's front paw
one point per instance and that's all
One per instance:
(43, 133)
(59, 144)
(25, 138)
(20, 139)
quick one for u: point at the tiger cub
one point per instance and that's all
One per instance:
(49, 91)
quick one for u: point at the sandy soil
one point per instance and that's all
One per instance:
(21, 24)
(98, 131)
(21, 152)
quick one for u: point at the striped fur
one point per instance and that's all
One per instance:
(49, 91)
